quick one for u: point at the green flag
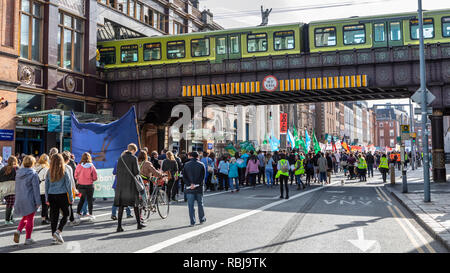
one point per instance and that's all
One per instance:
(266, 141)
(303, 144)
(316, 143)
(296, 139)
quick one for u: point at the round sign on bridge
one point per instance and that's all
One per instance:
(270, 83)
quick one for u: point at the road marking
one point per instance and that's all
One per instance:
(180, 238)
(408, 234)
(361, 243)
(415, 231)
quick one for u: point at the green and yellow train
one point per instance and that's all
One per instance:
(318, 36)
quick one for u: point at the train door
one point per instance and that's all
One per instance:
(387, 34)
(228, 47)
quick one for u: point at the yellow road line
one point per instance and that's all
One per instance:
(381, 196)
(385, 195)
(411, 238)
(415, 230)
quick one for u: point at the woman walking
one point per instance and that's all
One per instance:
(86, 174)
(28, 199)
(252, 170)
(147, 171)
(233, 175)
(58, 194)
(42, 169)
(7, 179)
(126, 191)
(224, 168)
(170, 166)
(269, 169)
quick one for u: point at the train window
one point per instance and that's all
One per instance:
(379, 32)
(445, 26)
(428, 28)
(107, 55)
(257, 42)
(152, 51)
(221, 46)
(200, 47)
(175, 50)
(283, 40)
(325, 36)
(234, 44)
(354, 35)
(395, 31)
(129, 53)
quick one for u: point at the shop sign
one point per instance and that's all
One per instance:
(54, 123)
(6, 135)
(35, 121)
(283, 123)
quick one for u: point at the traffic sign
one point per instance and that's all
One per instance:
(404, 130)
(418, 97)
(418, 111)
(270, 83)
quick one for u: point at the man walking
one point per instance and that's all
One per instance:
(193, 175)
(370, 159)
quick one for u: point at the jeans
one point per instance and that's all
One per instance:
(58, 202)
(262, 173)
(87, 193)
(252, 179)
(298, 179)
(369, 169)
(322, 176)
(114, 211)
(191, 198)
(223, 181)
(236, 181)
(269, 175)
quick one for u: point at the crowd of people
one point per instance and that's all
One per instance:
(51, 183)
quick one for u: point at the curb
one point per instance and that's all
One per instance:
(422, 223)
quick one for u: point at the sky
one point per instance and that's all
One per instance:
(244, 13)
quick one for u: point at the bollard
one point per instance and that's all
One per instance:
(392, 172)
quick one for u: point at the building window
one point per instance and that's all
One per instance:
(30, 30)
(428, 28)
(132, 7)
(354, 35)
(381, 133)
(107, 55)
(27, 103)
(200, 47)
(175, 50)
(122, 5)
(283, 40)
(70, 42)
(139, 12)
(391, 132)
(152, 51)
(445, 26)
(161, 23)
(325, 36)
(391, 124)
(129, 53)
(178, 28)
(70, 105)
(381, 124)
(392, 143)
(257, 42)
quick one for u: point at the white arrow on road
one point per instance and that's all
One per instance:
(362, 244)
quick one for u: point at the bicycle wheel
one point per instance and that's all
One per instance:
(162, 204)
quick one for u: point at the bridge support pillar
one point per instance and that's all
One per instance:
(437, 131)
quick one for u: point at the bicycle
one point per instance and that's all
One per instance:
(158, 201)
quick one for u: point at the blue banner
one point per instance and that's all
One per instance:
(105, 142)
(54, 123)
(6, 135)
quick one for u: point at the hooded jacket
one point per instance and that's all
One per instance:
(28, 197)
(85, 174)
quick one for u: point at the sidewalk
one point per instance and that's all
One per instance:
(434, 216)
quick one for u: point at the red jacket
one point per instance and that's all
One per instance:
(85, 174)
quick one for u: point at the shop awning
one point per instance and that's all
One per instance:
(82, 117)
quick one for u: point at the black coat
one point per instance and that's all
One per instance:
(194, 173)
(126, 192)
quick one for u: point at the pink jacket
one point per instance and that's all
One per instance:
(85, 174)
(252, 167)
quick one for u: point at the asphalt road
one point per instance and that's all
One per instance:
(351, 218)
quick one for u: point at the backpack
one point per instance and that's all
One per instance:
(285, 166)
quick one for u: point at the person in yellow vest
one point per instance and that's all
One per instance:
(298, 171)
(362, 168)
(283, 174)
(384, 167)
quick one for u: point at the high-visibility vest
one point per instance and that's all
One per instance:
(384, 163)
(300, 169)
(283, 162)
(362, 163)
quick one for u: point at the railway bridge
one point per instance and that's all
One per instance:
(364, 74)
